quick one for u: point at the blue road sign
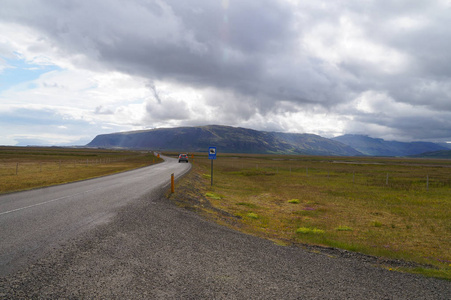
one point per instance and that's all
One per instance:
(211, 152)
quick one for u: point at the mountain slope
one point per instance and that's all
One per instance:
(314, 144)
(227, 139)
(442, 154)
(380, 147)
(446, 145)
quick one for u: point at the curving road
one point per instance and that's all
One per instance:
(35, 221)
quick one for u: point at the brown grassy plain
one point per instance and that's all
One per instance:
(387, 207)
(23, 168)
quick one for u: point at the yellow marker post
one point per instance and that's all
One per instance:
(172, 183)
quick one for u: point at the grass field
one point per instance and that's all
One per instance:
(394, 208)
(387, 207)
(24, 168)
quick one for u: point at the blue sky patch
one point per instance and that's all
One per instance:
(19, 71)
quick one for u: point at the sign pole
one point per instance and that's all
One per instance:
(211, 172)
(212, 156)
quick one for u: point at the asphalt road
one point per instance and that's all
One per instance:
(35, 221)
(151, 249)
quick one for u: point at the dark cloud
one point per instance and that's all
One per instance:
(152, 87)
(194, 42)
(100, 110)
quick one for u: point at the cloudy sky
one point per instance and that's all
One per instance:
(72, 69)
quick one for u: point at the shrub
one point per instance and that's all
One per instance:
(250, 205)
(377, 224)
(343, 228)
(305, 230)
(294, 201)
(252, 215)
(214, 196)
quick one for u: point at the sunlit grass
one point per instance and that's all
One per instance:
(252, 215)
(351, 202)
(306, 230)
(23, 168)
(213, 196)
(343, 228)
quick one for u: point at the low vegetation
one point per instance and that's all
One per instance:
(23, 168)
(386, 207)
(394, 208)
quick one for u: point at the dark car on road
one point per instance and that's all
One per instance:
(183, 157)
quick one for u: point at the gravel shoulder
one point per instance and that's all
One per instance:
(153, 249)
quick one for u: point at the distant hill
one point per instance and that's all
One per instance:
(379, 147)
(227, 139)
(446, 145)
(445, 154)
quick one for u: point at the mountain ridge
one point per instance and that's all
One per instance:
(230, 139)
(380, 147)
(226, 138)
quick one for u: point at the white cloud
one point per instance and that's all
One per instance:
(377, 114)
(348, 43)
(76, 93)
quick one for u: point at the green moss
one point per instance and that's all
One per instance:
(213, 196)
(253, 215)
(305, 230)
(250, 205)
(343, 228)
(294, 201)
(377, 224)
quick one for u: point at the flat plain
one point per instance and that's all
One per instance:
(23, 168)
(396, 208)
(386, 207)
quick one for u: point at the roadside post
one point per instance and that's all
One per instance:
(172, 184)
(212, 156)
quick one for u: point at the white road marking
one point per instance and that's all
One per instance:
(45, 202)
